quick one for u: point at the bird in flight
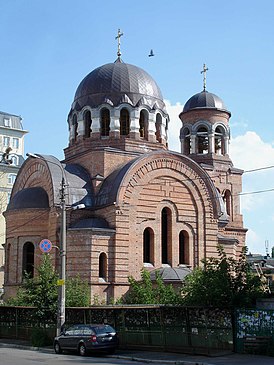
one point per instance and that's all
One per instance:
(151, 53)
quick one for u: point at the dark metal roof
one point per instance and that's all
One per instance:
(108, 192)
(91, 223)
(115, 83)
(35, 197)
(204, 100)
(171, 274)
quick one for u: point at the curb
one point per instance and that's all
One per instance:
(122, 357)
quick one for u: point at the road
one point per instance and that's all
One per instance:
(13, 356)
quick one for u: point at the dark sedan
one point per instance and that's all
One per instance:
(85, 338)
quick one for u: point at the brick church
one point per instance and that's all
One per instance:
(144, 206)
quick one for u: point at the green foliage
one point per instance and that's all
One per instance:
(77, 293)
(146, 292)
(223, 281)
(41, 291)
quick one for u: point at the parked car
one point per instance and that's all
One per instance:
(85, 338)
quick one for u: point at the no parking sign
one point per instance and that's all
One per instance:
(45, 246)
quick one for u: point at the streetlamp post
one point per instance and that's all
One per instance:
(61, 311)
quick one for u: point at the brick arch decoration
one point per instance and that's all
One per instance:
(38, 173)
(183, 169)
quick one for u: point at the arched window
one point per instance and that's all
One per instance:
(75, 126)
(103, 266)
(14, 160)
(105, 122)
(143, 123)
(166, 236)
(202, 140)
(219, 141)
(11, 179)
(28, 259)
(148, 246)
(158, 127)
(87, 121)
(183, 248)
(227, 201)
(124, 122)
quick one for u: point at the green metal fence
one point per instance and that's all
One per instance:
(168, 328)
(254, 331)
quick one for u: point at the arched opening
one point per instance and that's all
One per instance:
(227, 201)
(124, 122)
(105, 122)
(103, 266)
(87, 123)
(28, 260)
(187, 141)
(166, 237)
(75, 127)
(158, 127)
(202, 140)
(148, 246)
(143, 123)
(183, 248)
(219, 141)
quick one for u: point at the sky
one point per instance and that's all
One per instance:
(49, 46)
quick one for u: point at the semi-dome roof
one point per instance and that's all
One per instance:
(115, 83)
(204, 100)
(171, 274)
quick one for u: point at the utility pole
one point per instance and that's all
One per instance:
(63, 247)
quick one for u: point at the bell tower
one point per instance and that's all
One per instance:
(204, 137)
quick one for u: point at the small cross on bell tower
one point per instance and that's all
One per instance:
(205, 69)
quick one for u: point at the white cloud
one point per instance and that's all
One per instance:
(249, 151)
(255, 242)
(174, 126)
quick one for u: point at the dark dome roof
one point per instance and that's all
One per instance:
(204, 100)
(115, 83)
(35, 197)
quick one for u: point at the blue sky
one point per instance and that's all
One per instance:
(48, 47)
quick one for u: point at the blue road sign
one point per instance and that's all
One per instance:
(45, 245)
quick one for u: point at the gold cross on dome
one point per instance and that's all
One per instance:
(204, 78)
(119, 42)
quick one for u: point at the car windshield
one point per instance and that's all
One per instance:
(103, 329)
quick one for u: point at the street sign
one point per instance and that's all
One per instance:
(45, 246)
(60, 282)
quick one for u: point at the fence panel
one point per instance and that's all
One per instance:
(252, 326)
(182, 329)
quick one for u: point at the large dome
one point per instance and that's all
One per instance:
(204, 100)
(115, 83)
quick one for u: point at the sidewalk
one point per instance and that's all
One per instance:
(154, 357)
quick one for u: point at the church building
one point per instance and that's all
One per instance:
(144, 206)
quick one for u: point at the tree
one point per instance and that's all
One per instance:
(222, 281)
(42, 291)
(77, 293)
(146, 292)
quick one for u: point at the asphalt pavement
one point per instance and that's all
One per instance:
(157, 357)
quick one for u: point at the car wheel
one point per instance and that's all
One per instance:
(57, 348)
(82, 349)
